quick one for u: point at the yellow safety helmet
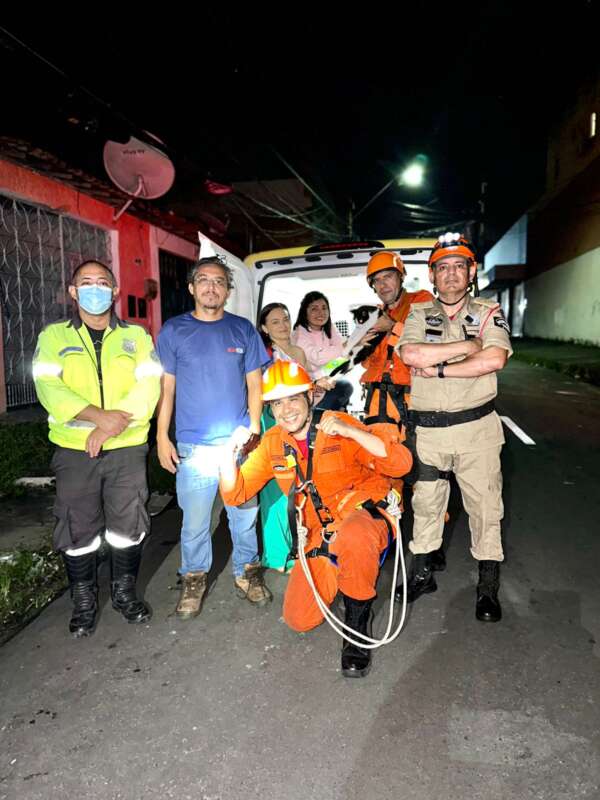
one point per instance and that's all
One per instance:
(284, 379)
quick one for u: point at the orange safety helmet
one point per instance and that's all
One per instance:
(452, 244)
(385, 259)
(284, 379)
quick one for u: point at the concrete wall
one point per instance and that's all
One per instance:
(564, 302)
(510, 248)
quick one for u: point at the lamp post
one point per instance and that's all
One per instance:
(411, 176)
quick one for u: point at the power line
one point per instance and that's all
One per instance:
(306, 185)
(283, 215)
(255, 223)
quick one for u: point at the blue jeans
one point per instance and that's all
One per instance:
(197, 486)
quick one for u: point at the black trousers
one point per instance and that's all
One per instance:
(94, 495)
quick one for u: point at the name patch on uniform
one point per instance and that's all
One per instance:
(435, 321)
(500, 322)
(235, 350)
(129, 346)
(334, 448)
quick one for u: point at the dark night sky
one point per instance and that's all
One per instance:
(348, 98)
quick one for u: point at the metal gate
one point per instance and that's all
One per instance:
(38, 251)
(175, 297)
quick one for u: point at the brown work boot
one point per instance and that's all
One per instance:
(251, 585)
(192, 591)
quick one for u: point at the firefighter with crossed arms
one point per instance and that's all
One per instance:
(454, 346)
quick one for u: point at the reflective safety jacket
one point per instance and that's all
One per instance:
(344, 473)
(378, 362)
(67, 379)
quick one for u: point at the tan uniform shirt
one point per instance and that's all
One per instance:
(428, 323)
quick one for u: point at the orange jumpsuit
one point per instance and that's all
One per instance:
(345, 474)
(377, 364)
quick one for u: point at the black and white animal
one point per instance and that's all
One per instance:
(361, 315)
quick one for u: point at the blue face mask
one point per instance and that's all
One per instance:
(95, 299)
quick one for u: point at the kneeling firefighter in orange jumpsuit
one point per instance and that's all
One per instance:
(339, 472)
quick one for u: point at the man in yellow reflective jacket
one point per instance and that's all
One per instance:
(99, 379)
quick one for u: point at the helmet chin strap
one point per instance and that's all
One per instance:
(398, 296)
(444, 303)
(454, 302)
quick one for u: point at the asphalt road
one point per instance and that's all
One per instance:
(233, 705)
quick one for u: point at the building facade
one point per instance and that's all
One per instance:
(548, 263)
(47, 227)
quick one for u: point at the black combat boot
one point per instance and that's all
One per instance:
(421, 580)
(125, 565)
(487, 607)
(438, 560)
(356, 662)
(81, 572)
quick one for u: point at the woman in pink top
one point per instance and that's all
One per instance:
(321, 342)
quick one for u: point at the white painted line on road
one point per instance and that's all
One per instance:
(518, 432)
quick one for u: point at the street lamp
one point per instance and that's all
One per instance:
(412, 176)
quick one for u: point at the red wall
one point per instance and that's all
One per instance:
(133, 254)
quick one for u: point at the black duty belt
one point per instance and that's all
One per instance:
(445, 419)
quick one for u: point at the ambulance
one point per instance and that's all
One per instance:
(337, 270)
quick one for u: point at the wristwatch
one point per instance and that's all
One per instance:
(441, 369)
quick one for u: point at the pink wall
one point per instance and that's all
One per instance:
(161, 240)
(135, 244)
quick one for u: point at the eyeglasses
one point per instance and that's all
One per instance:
(103, 282)
(204, 280)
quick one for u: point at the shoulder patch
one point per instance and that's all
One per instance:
(128, 346)
(500, 322)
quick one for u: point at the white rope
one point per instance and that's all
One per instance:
(365, 642)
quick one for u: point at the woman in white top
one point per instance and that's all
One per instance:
(275, 328)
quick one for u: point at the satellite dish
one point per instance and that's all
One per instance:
(138, 169)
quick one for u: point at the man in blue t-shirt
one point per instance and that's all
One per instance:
(212, 370)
